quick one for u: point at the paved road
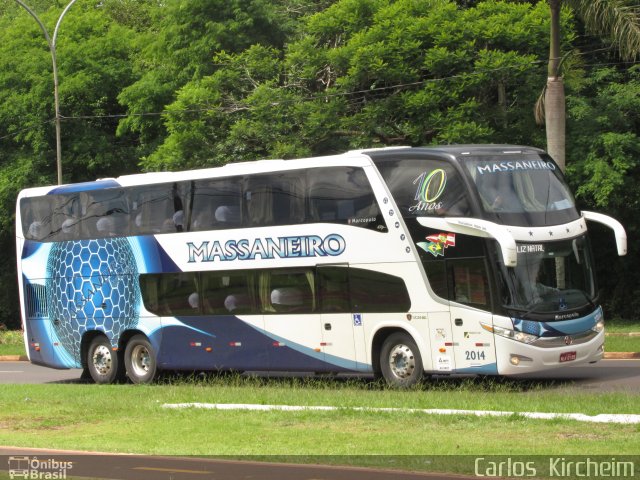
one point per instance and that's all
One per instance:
(40, 463)
(26, 372)
(607, 375)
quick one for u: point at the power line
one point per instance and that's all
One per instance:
(326, 95)
(318, 96)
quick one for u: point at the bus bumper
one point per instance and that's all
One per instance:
(515, 358)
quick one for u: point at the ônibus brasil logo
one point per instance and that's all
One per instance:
(36, 469)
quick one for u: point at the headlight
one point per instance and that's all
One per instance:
(512, 334)
(599, 326)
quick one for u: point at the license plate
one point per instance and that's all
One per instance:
(567, 356)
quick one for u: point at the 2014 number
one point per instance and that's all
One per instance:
(474, 355)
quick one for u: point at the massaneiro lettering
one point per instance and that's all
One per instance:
(267, 248)
(497, 167)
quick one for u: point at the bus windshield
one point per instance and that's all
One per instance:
(522, 189)
(550, 278)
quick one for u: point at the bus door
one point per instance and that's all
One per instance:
(458, 339)
(342, 330)
(470, 306)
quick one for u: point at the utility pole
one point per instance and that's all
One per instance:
(51, 42)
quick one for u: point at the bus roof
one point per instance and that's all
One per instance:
(353, 157)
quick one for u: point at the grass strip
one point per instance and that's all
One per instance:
(11, 342)
(130, 419)
(622, 344)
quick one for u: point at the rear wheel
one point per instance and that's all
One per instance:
(140, 360)
(400, 361)
(102, 361)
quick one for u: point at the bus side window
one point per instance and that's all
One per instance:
(333, 284)
(156, 209)
(216, 204)
(36, 217)
(343, 195)
(180, 294)
(66, 216)
(106, 214)
(425, 187)
(437, 277)
(149, 288)
(287, 291)
(275, 199)
(226, 293)
(377, 292)
(468, 282)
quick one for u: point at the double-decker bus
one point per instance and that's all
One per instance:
(400, 262)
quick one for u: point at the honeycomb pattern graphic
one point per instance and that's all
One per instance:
(92, 284)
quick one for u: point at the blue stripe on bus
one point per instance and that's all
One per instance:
(560, 327)
(156, 259)
(488, 369)
(29, 248)
(256, 350)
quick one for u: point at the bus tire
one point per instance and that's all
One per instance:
(102, 361)
(140, 360)
(400, 361)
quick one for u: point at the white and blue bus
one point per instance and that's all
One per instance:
(400, 262)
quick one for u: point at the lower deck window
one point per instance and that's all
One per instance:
(277, 291)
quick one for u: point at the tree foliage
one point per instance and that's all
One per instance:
(365, 73)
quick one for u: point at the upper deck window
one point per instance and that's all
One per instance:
(424, 187)
(522, 189)
(341, 195)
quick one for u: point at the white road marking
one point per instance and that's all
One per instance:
(580, 417)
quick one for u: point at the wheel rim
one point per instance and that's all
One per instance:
(140, 360)
(101, 359)
(402, 362)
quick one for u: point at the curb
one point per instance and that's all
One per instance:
(621, 355)
(14, 358)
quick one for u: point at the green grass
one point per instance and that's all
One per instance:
(617, 325)
(614, 343)
(128, 418)
(11, 342)
(622, 344)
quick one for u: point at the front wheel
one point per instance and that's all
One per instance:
(140, 360)
(400, 361)
(102, 361)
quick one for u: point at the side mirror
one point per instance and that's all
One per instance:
(613, 224)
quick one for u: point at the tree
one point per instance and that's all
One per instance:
(614, 19)
(604, 169)
(365, 73)
(94, 65)
(180, 45)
